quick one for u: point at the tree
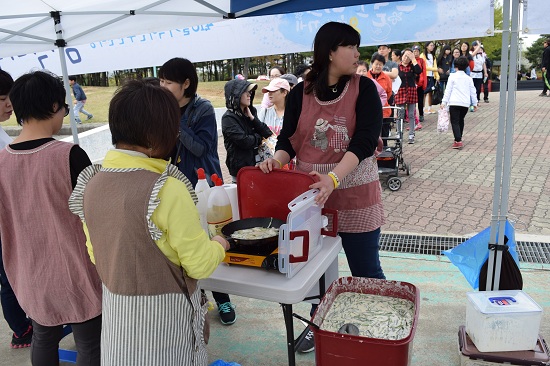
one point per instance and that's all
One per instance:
(534, 53)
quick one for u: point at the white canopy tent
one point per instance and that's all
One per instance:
(33, 25)
(40, 25)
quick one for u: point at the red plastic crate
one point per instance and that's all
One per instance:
(348, 350)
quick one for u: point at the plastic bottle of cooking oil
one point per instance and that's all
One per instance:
(202, 190)
(219, 209)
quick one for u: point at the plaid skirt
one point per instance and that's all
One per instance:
(406, 95)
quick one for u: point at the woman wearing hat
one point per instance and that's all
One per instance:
(242, 131)
(277, 90)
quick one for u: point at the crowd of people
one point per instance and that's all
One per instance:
(120, 247)
(416, 73)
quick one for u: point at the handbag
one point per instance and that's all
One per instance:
(437, 95)
(267, 149)
(443, 120)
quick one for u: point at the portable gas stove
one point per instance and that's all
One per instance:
(285, 195)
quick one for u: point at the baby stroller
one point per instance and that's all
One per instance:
(390, 160)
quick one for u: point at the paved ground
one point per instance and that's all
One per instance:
(449, 192)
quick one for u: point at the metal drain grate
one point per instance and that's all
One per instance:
(532, 252)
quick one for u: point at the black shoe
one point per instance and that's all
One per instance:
(227, 313)
(90, 117)
(421, 118)
(486, 100)
(305, 342)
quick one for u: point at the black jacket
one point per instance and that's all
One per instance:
(241, 136)
(546, 58)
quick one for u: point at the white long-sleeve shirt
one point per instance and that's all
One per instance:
(460, 90)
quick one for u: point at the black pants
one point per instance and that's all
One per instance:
(87, 337)
(14, 315)
(486, 89)
(457, 120)
(477, 84)
(420, 93)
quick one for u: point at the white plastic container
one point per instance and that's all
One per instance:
(500, 321)
(219, 211)
(202, 190)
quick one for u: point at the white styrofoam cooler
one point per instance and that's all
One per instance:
(499, 321)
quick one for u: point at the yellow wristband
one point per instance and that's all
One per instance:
(335, 179)
(278, 161)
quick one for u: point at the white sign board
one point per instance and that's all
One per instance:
(535, 16)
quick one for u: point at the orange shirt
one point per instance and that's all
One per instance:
(386, 83)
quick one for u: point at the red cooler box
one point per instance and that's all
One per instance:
(333, 348)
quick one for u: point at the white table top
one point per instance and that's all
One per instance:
(271, 285)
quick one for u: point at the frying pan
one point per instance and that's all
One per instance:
(254, 246)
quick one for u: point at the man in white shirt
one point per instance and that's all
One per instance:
(460, 94)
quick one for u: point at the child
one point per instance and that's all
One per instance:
(242, 131)
(43, 244)
(14, 315)
(80, 100)
(459, 95)
(145, 238)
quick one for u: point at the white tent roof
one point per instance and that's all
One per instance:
(28, 26)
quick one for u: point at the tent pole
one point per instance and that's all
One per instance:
(69, 97)
(61, 43)
(504, 141)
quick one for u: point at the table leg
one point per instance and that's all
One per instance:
(289, 323)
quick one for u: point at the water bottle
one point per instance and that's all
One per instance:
(471, 108)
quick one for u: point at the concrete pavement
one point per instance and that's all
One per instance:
(449, 192)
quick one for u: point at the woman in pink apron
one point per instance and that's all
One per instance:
(331, 125)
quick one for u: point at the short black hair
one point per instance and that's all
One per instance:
(300, 69)
(397, 53)
(462, 63)
(6, 82)
(36, 94)
(152, 80)
(145, 115)
(72, 77)
(178, 70)
(377, 57)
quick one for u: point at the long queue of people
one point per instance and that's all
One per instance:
(415, 74)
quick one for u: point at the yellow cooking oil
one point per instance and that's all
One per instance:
(219, 210)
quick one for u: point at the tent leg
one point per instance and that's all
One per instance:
(61, 43)
(510, 36)
(69, 97)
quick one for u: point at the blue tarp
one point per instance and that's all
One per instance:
(470, 255)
